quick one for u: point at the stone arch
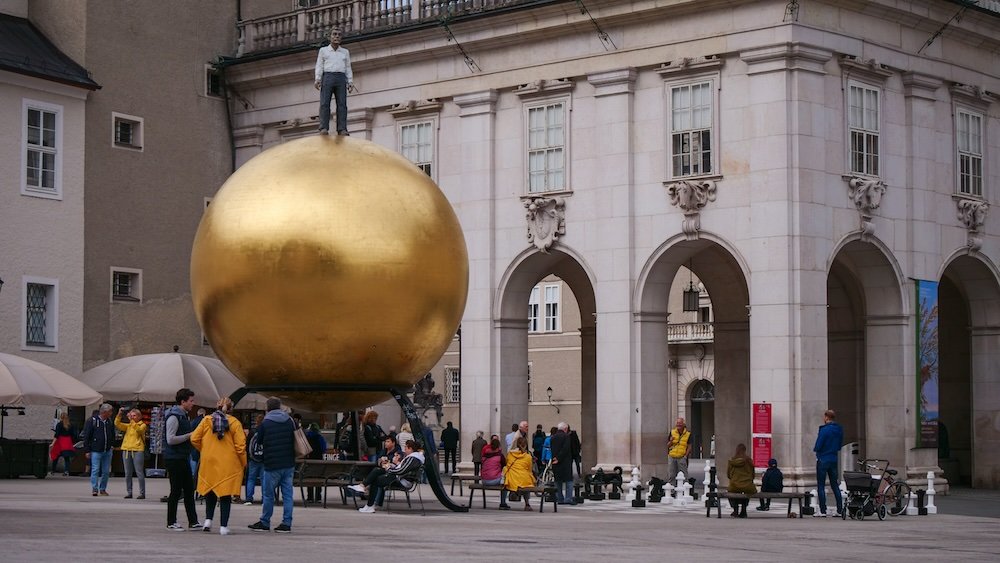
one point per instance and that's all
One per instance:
(969, 350)
(725, 276)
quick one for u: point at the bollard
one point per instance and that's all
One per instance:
(931, 493)
(637, 502)
(656, 489)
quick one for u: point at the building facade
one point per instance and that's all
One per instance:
(816, 165)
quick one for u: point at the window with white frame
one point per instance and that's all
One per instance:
(547, 147)
(969, 141)
(213, 82)
(42, 149)
(41, 298)
(127, 131)
(551, 308)
(533, 301)
(126, 284)
(863, 110)
(691, 129)
(416, 143)
(453, 381)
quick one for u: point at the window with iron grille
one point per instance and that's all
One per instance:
(547, 147)
(863, 112)
(453, 377)
(213, 82)
(533, 310)
(416, 142)
(41, 148)
(969, 140)
(691, 124)
(36, 314)
(127, 131)
(551, 308)
(123, 286)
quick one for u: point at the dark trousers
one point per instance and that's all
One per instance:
(181, 484)
(378, 487)
(827, 470)
(224, 505)
(334, 85)
(475, 467)
(450, 453)
(739, 506)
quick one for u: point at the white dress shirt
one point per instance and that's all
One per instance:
(333, 60)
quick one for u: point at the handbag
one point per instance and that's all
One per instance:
(302, 447)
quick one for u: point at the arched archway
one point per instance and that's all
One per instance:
(511, 390)
(969, 351)
(867, 381)
(725, 279)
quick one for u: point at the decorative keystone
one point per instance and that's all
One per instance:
(866, 193)
(546, 218)
(972, 214)
(691, 196)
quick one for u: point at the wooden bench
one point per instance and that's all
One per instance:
(461, 478)
(330, 473)
(743, 496)
(544, 490)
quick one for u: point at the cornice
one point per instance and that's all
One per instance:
(919, 85)
(476, 103)
(619, 81)
(786, 56)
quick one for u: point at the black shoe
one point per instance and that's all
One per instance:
(283, 529)
(259, 527)
(504, 507)
(128, 495)
(343, 133)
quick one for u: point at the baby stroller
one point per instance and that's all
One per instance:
(863, 498)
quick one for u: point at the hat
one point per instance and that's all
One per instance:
(771, 462)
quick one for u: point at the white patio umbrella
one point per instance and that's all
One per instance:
(27, 382)
(157, 377)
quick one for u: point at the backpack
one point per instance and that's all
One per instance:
(256, 449)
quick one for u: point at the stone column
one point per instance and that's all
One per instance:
(588, 396)
(611, 190)
(891, 390)
(986, 407)
(658, 392)
(471, 191)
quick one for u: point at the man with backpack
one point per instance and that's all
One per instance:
(255, 460)
(276, 437)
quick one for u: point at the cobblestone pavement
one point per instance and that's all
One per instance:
(56, 519)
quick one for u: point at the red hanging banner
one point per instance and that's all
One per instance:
(762, 419)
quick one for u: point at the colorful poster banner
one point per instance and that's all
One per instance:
(761, 418)
(761, 451)
(927, 364)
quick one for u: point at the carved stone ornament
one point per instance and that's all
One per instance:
(546, 221)
(866, 193)
(691, 196)
(972, 214)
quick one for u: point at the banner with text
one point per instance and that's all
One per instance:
(927, 363)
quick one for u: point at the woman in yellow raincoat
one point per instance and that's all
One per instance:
(517, 472)
(222, 444)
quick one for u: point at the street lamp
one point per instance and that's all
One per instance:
(549, 393)
(691, 294)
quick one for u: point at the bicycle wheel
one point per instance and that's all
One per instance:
(896, 498)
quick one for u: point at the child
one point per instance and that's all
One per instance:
(772, 482)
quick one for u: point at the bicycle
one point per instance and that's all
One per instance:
(893, 494)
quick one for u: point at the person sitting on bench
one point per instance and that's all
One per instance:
(740, 473)
(517, 473)
(388, 473)
(772, 482)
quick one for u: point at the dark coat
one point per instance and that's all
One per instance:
(574, 445)
(318, 444)
(773, 481)
(477, 450)
(277, 437)
(98, 434)
(562, 464)
(449, 436)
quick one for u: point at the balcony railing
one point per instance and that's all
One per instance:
(690, 332)
(312, 24)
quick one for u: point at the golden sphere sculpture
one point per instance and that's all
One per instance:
(329, 260)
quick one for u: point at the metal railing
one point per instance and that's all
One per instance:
(690, 332)
(312, 24)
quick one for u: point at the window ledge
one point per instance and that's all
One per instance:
(847, 176)
(125, 298)
(41, 192)
(39, 348)
(128, 146)
(699, 178)
(959, 196)
(554, 193)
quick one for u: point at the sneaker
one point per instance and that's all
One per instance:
(343, 133)
(357, 488)
(840, 514)
(223, 530)
(207, 526)
(65, 473)
(259, 527)
(142, 496)
(248, 503)
(175, 527)
(819, 515)
(196, 526)
(283, 529)
(367, 509)
(104, 493)
(93, 493)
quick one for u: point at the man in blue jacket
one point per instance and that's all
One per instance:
(828, 443)
(98, 441)
(276, 437)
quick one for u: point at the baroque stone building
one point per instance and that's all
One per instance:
(814, 164)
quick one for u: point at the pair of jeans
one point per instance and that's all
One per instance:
(133, 461)
(181, 484)
(273, 479)
(564, 492)
(334, 84)
(828, 470)
(255, 470)
(100, 470)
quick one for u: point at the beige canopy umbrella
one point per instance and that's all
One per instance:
(157, 377)
(27, 382)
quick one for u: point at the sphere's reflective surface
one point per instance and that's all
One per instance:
(329, 260)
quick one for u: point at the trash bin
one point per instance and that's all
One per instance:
(849, 457)
(24, 457)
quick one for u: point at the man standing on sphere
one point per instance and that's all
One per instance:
(333, 78)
